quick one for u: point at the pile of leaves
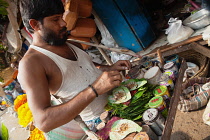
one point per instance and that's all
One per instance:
(133, 109)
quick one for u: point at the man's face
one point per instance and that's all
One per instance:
(54, 30)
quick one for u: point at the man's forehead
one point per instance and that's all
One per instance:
(56, 15)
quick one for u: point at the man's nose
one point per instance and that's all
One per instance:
(63, 23)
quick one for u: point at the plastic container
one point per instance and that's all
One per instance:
(171, 66)
(171, 74)
(153, 75)
(162, 91)
(165, 80)
(85, 27)
(173, 58)
(159, 104)
(155, 120)
(85, 8)
(149, 131)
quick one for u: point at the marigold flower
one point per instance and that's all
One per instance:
(24, 115)
(21, 99)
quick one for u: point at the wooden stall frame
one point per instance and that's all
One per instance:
(174, 102)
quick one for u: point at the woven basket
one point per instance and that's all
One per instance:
(199, 59)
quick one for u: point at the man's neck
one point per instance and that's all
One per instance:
(38, 41)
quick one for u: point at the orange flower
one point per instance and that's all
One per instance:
(36, 134)
(21, 99)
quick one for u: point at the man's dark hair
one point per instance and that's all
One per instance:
(38, 10)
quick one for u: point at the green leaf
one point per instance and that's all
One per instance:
(133, 84)
(119, 95)
(137, 96)
(4, 131)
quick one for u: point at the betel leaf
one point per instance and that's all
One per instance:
(119, 95)
(133, 84)
(137, 95)
(121, 128)
(4, 132)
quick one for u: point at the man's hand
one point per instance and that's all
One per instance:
(121, 65)
(107, 81)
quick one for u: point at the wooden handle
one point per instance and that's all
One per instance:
(160, 57)
(124, 51)
(178, 44)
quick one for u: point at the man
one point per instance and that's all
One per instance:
(53, 67)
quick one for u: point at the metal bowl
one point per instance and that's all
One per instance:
(198, 20)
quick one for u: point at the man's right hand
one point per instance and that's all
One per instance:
(107, 81)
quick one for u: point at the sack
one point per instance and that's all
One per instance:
(194, 96)
(177, 32)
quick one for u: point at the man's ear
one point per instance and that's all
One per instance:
(34, 24)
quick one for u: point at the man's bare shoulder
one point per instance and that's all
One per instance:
(30, 58)
(31, 62)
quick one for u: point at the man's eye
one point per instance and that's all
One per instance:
(55, 19)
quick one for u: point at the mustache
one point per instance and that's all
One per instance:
(64, 29)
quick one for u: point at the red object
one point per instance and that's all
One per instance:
(133, 92)
(197, 6)
(127, 103)
(104, 133)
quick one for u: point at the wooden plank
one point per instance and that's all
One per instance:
(116, 24)
(137, 20)
(177, 50)
(173, 103)
(201, 49)
(175, 45)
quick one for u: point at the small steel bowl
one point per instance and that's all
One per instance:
(198, 20)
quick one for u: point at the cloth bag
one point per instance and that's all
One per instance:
(176, 31)
(194, 95)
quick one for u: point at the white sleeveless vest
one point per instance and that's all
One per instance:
(76, 76)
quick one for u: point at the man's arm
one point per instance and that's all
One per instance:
(118, 66)
(32, 77)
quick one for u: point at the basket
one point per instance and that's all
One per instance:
(199, 59)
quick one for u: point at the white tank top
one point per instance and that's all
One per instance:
(76, 76)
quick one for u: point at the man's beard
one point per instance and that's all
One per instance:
(53, 39)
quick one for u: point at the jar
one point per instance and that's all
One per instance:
(165, 80)
(155, 120)
(172, 67)
(162, 91)
(171, 74)
(173, 58)
(149, 131)
(159, 104)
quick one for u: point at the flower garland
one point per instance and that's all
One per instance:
(24, 115)
(36, 134)
(21, 99)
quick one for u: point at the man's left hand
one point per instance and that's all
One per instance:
(121, 65)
